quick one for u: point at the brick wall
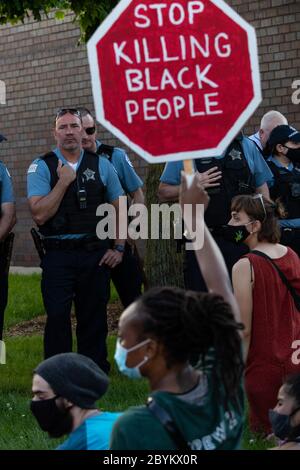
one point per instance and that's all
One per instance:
(44, 69)
(278, 35)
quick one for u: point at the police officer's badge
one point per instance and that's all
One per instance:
(235, 154)
(89, 174)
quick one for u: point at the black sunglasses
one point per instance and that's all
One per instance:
(63, 111)
(90, 130)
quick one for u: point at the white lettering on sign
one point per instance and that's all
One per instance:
(151, 109)
(222, 50)
(149, 15)
(138, 80)
(188, 47)
(180, 64)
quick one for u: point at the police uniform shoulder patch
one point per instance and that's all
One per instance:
(128, 160)
(32, 168)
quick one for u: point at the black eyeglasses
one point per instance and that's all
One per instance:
(90, 130)
(62, 111)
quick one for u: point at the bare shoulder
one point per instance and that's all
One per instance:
(243, 273)
(275, 251)
(241, 266)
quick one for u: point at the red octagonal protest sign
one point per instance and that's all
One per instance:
(174, 80)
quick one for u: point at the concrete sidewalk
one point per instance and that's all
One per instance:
(24, 270)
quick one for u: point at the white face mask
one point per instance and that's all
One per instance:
(121, 358)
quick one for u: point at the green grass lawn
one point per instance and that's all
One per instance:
(19, 429)
(25, 299)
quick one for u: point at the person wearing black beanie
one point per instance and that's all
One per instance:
(66, 388)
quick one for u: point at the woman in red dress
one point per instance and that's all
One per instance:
(268, 311)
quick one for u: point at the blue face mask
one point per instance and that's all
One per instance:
(121, 358)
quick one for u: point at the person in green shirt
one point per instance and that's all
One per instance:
(159, 337)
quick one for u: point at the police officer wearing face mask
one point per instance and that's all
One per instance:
(65, 389)
(284, 145)
(285, 417)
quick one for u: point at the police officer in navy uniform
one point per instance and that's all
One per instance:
(7, 221)
(284, 146)
(240, 170)
(126, 276)
(65, 187)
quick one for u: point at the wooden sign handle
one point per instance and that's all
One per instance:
(188, 167)
(189, 171)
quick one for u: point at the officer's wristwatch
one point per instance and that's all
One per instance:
(119, 248)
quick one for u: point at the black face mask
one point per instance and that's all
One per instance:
(281, 425)
(293, 154)
(57, 422)
(236, 234)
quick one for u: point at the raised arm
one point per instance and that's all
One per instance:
(209, 257)
(242, 287)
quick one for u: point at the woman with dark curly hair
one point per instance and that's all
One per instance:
(268, 311)
(190, 407)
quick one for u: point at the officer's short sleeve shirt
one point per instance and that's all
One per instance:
(128, 177)
(257, 165)
(38, 177)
